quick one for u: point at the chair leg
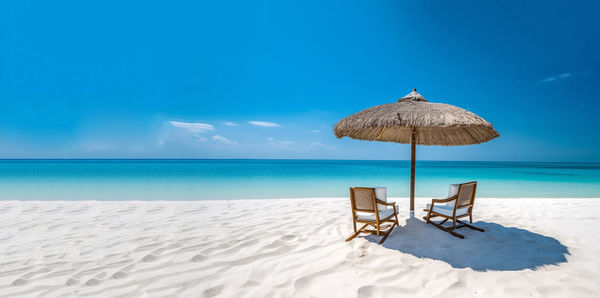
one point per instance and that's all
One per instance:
(471, 227)
(447, 230)
(470, 218)
(388, 233)
(356, 233)
(377, 229)
(440, 223)
(427, 219)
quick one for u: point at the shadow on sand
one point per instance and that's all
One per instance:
(498, 248)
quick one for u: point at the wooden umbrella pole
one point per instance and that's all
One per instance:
(413, 146)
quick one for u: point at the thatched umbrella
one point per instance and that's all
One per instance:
(413, 120)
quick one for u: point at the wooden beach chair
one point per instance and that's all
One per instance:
(367, 209)
(454, 207)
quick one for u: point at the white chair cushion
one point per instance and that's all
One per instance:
(447, 210)
(371, 216)
(381, 194)
(452, 192)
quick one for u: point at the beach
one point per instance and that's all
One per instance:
(294, 248)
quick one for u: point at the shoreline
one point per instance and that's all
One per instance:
(396, 199)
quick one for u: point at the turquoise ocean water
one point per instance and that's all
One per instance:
(249, 179)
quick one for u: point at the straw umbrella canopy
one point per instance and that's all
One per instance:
(413, 120)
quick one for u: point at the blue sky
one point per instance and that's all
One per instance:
(269, 79)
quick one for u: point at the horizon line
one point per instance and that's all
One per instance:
(298, 159)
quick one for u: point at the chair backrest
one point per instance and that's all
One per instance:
(466, 194)
(381, 194)
(452, 191)
(363, 199)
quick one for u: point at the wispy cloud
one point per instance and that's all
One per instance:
(315, 131)
(193, 127)
(223, 140)
(555, 78)
(229, 123)
(264, 123)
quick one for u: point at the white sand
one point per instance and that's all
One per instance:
(531, 247)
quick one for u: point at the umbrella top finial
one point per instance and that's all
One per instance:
(413, 96)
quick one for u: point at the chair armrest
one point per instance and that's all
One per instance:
(450, 199)
(393, 204)
(385, 203)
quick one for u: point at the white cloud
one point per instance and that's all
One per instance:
(229, 123)
(554, 78)
(315, 131)
(264, 123)
(223, 140)
(193, 127)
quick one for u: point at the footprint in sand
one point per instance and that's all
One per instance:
(214, 291)
(72, 282)
(365, 291)
(154, 255)
(250, 283)
(123, 272)
(149, 258)
(19, 282)
(23, 280)
(96, 280)
(198, 258)
(288, 237)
